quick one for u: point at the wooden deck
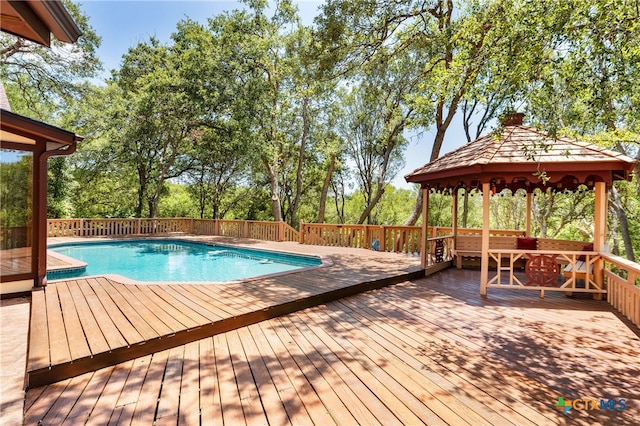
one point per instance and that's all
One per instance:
(427, 351)
(81, 325)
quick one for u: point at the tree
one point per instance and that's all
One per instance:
(41, 80)
(375, 116)
(591, 91)
(455, 47)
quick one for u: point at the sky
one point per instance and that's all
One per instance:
(123, 24)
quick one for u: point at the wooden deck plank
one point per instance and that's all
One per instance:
(106, 402)
(340, 400)
(189, 409)
(131, 390)
(169, 315)
(404, 374)
(46, 399)
(135, 312)
(83, 408)
(274, 409)
(252, 408)
(59, 410)
(292, 373)
(104, 319)
(58, 342)
(78, 346)
(147, 402)
(112, 312)
(229, 395)
(396, 387)
(288, 392)
(437, 345)
(210, 405)
(144, 308)
(450, 369)
(193, 317)
(190, 304)
(95, 339)
(361, 390)
(169, 399)
(38, 333)
(199, 295)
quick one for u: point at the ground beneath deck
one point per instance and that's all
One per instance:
(427, 351)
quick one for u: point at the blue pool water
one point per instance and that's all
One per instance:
(176, 261)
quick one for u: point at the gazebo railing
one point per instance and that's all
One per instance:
(546, 270)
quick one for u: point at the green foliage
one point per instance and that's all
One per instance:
(16, 178)
(41, 80)
(176, 201)
(254, 116)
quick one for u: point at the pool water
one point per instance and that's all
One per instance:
(176, 261)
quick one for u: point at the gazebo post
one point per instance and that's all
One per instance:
(484, 266)
(454, 217)
(599, 232)
(528, 220)
(424, 253)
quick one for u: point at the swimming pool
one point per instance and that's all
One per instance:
(176, 261)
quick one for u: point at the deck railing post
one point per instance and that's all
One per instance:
(301, 233)
(138, 225)
(245, 232)
(281, 231)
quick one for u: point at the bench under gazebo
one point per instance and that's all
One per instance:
(516, 157)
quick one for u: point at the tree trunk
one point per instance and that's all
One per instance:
(624, 223)
(325, 189)
(365, 214)
(465, 209)
(299, 174)
(275, 190)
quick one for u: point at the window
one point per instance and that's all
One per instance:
(16, 211)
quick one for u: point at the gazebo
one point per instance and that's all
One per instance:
(514, 157)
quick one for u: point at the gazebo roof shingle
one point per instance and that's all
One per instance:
(515, 155)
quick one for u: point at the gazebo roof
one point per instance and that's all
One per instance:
(515, 155)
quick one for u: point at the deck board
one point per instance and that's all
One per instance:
(39, 333)
(109, 329)
(58, 342)
(99, 321)
(94, 336)
(428, 351)
(417, 352)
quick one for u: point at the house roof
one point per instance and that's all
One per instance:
(515, 155)
(18, 129)
(37, 20)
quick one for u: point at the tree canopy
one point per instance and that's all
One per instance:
(256, 116)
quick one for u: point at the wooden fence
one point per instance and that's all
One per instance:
(261, 230)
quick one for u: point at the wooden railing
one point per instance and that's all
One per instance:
(397, 239)
(623, 286)
(262, 230)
